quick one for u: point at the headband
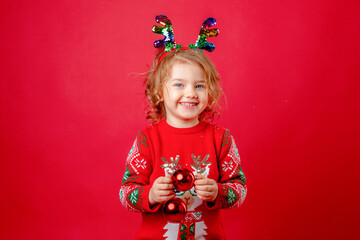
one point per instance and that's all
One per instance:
(169, 41)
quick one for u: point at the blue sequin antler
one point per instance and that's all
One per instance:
(205, 32)
(166, 30)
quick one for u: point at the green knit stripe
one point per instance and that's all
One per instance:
(183, 232)
(134, 196)
(243, 194)
(236, 150)
(231, 197)
(121, 194)
(192, 229)
(183, 236)
(183, 228)
(142, 141)
(126, 174)
(242, 176)
(226, 139)
(131, 150)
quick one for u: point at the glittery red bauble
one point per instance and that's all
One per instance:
(183, 180)
(174, 209)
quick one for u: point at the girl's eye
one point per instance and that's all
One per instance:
(199, 86)
(178, 85)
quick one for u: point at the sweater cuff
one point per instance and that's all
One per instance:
(145, 205)
(218, 201)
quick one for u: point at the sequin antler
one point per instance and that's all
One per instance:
(166, 30)
(169, 41)
(205, 32)
(171, 166)
(198, 166)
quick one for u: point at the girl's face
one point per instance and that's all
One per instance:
(185, 95)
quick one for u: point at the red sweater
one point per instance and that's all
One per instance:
(160, 144)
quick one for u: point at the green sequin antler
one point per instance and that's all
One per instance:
(205, 32)
(167, 30)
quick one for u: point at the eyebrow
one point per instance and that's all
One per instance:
(201, 81)
(182, 80)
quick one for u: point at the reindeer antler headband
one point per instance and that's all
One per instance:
(169, 41)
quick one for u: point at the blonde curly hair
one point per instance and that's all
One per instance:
(157, 76)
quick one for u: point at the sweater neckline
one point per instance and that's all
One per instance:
(190, 130)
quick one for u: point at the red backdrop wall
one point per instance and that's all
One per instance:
(72, 102)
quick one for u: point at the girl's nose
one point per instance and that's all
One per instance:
(191, 93)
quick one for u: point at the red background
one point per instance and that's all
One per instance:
(72, 102)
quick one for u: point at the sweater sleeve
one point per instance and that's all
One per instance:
(134, 192)
(231, 186)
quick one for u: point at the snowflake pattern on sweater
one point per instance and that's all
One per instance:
(131, 191)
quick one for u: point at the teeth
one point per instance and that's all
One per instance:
(188, 104)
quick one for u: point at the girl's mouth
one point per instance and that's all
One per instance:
(188, 104)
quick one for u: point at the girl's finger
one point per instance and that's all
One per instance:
(202, 182)
(166, 192)
(204, 193)
(199, 176)
(206, 188)
(165, 186)
(204, 198)
(164, 180)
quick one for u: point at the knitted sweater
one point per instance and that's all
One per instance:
(212, 149)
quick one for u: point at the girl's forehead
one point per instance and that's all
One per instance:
(179, 62)
(186, 71)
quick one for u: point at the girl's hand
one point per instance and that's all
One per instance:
(206, 188)
(161, 190)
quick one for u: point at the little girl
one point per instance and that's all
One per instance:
(183, 90)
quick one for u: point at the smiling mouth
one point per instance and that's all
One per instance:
(188, 104)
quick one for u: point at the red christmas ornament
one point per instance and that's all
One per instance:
(183, 180)
(174, 209)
